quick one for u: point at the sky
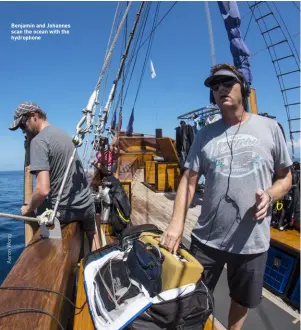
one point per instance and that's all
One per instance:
(59, 72)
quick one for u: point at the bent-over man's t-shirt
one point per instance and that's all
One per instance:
(51, 151)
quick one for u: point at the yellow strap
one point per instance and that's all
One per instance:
(279, 206)
(121, 216)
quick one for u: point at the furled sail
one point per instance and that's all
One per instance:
(239, 50)
(129, 128)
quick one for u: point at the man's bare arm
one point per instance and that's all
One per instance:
(40, 192)
(171, 238)
(184, 195)
(279, 189)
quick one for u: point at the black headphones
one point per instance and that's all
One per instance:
(245, 91)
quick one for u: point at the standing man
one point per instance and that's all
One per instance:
(239, 155)
(50, 152)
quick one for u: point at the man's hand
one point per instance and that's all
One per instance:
(25, 210)
(171, 237)
(262, 204)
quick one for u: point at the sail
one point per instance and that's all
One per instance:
(129, 128)
(153, 72)
(119, 126)
(239, 50)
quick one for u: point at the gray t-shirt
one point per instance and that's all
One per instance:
(258, 149)
(51, 151)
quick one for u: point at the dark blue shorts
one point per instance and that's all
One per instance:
(244, 272)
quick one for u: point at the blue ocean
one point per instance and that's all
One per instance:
(11, 231)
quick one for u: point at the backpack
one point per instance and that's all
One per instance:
(120, 206)
(105, 270)
(286, 213)
(188, 311)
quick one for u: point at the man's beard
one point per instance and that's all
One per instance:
(32, 134)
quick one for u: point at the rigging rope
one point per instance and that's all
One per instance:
(156, 27)
(102, 119)
(114, 26)
(134, 65)
(121, 93)
(147, 53)
(109, 55)
(138, 39)
(244, 38)
(265, 48)
(294, 2)
(89, 112)
(290, 37)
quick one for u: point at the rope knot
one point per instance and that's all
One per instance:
(46, 217)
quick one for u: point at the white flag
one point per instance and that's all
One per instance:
(153, 72)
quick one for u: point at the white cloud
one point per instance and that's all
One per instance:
(297, 143)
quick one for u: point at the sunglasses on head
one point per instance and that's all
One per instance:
(226, 82)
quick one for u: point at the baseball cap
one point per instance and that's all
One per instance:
(219, 73)
(22, 110)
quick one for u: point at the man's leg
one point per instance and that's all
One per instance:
(211, 259)
(245, 279)
(93, 239)
(237, 316)
(91, 228)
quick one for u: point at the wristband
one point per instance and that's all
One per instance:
(270, 196)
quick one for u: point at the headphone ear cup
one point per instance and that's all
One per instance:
(211, 97)
(245, 89)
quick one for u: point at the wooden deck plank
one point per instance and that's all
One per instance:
(82, 318)
(156, 208)
(48, 264)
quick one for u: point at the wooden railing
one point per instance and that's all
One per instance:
(47, 264)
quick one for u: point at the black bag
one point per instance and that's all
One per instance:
(132, 233)
(288, 215)
(120, 208)
(145, 266)
(189, 312)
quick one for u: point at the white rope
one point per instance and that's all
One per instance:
(112, 28)
(110, 53)
(44, 218)
(18, 217)
(59, 196)
(107, 62)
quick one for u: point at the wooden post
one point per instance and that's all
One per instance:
(29, 227)
(158, 133)
(253, 101)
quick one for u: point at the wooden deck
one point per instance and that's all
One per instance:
(156, 208)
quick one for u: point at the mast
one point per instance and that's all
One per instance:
(104, 115)
(29, 227)
(210, 31)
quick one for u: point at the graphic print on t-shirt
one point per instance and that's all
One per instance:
(247, 155)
